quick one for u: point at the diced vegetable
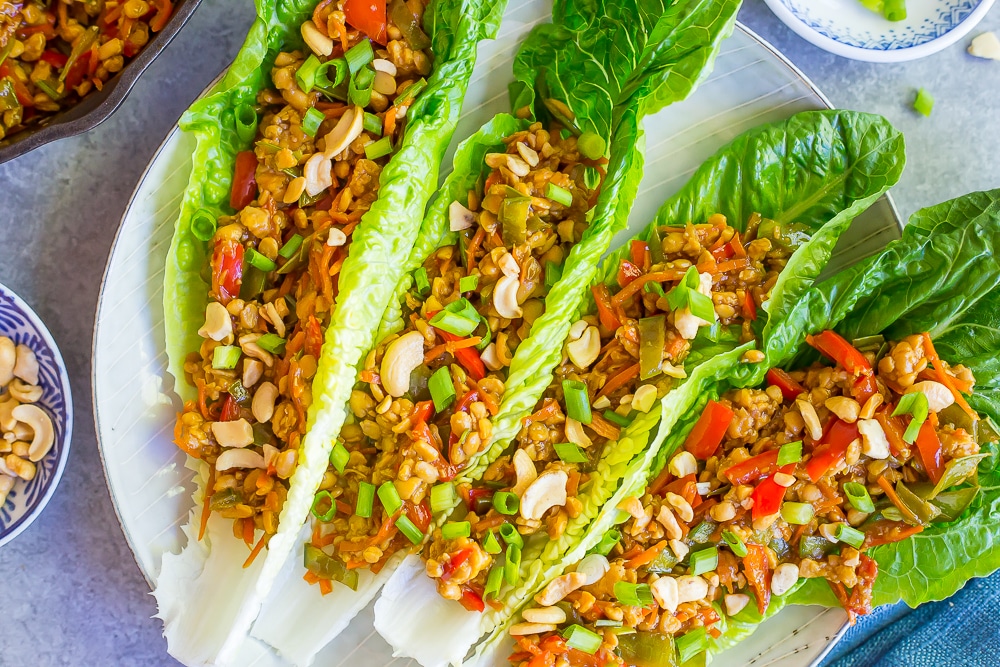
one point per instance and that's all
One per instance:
(582, 639)
(366, 500)
(577, 402)
(652, 335)
(706, 436)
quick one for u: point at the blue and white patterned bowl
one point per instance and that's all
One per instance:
(846, 28)
(27, 499)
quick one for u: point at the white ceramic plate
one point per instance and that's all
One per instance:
(134, 407)
(848, 29)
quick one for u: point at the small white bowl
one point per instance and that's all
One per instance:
(846, 28)
(27, 499)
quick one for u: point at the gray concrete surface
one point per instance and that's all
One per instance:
(71, 593)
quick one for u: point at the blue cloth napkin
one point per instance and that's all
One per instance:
(962, 631)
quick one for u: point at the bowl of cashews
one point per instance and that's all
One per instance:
(36, 416)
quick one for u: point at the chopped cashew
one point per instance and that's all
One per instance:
(236, 433)
(239, 458)
(683, 464)
(811, 419)
(520, 629)
(218, 324)
(320, 44)
(665, 590)
(691, 588)
(874, 444)
(847, 409)
(735, 603)
(546, 492)
(784, 577)
(938, 396)
(575, 433)
(559, 588)
(402, 356)
(545, 615)
(986, 45)
(644, 398)
(669, 523)
(459, 217)
(263, 402)
(524, 469)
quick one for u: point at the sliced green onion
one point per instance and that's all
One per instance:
(702, 532)
(798, 514)
(701, 306)
(454, 323)
(442, 389)
(48, 89)
(633, 595)
(491, 544)
(372, 124)
(591, 145)
(389, 496)
(691, 644)
(246, 123)
(456, 529)
(359, 55)
(260, 261)
(895, 10)
(607, 623)
(582, 639)
(273, 343)
(570, 453)
(577, 402)
(316, 509)
(380, 148)
(859, 497)
(311, 121)
(366, 500)
(790, 452)
(621, 420)
(493, 581)
(924, 103)
(203, 225)
(553, 272)
(305, 75)
(410, 92)
(653, 287)
(735, 543)
(409, 529)
(225, 357)
(291, 246)
(359, 91)
(339, 456)
(487, 335)
(512, 564)
(421, 281)
(705, 560)
(238, 392)
(607, 543)
(916, 406)
(506, 502)
(468, 283)
(559, 195)
(442, 497)
(848, 535)
(508, 532)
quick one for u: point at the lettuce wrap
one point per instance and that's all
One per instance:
(206, 600)
(832, 165)
(942, 278)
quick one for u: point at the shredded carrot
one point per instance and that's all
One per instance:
(647, 556)
(724, 267)
(317, 16)
(310, 577)
(619, 380)
(946, 379)
(389, 122)
(295, 344)
(470, 253)
(126, 28)
(661, 481)
(603, 427)
(112, 15)
(202, 396)
(549, 409)
(248, 529)
(256, 550)
(450, 347)
(890, 493)
(341, 32)
(325, 586)
(206, 503)
(633, 287)
(487, 400)
(164, 8)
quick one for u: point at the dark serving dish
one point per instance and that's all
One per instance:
(96, 107)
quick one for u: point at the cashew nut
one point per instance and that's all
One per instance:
(683, 464)
(784, 577)
(336, 238)
(505, 297)
(402, 356)
(318, 173)
(248, 343)
(24, 392)
(6, 484)
(239, 458)
(490, 359)
(665, 591)
(524, 468)
(8, 358)
(347, 129)
(559, 588)
(552, 615)
(669, 523)
(847, 409)
(218, 323)
(644, 398)
(938, 396)
(517, 166)
(522, 629)
(691, 588)
(263, 402)
(460, 217)
(528, 154)
(41, 427)
(584, 350)
(383, 65)
(252, 370)
(26, 366)
(681, 506)
(575, 433)
(811, 419)
(320, 44)
(236, 433)
(735, 603)
(7, 420)
(873, 441)
(508, 265)
(546, 492)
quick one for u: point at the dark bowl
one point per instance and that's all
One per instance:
(96, 107)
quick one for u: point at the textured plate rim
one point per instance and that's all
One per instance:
(67, 439)
(170, 135)
(923, 50)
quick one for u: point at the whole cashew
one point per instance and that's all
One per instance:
(41, 426)
(26, 366)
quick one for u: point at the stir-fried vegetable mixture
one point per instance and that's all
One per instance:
(326, 128)
(618, 362)
(55, 52)
(423, 406)
(795, 480)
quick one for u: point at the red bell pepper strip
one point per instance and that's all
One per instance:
(639, 251)
(627, 272)
(54, 58)
(422, 411)
(946, 379)
(831, 344)
(456, 561)
(230, 409)
(244, 181)
(753, 468)
(706, 436)
(930, 451)
(864, 388)
(758, 574)
(749, 306)
(468, 357)
(420, 515)
(722, 253)
(369, 17)
(894, 429)
(227, 270)
(164, 8)
(605, 312)
(838, 437)
(861, 595)
(768, 494)
(472, 600)
(686, 487)
(886, 532)
(478, 499)
(790, 389)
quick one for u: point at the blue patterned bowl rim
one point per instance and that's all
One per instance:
(26, 501)
(954, 20)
